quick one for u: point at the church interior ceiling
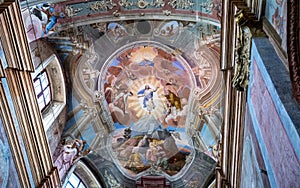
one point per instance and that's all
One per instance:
(143, 84)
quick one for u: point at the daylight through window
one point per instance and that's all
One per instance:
(42, 90)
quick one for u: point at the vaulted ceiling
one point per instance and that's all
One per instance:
(143, 83)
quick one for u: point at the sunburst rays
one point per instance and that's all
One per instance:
(143, 53)
(136, 104)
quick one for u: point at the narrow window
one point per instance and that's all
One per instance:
(42, 90)
(75, 182)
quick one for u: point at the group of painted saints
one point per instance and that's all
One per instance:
(68, 153)
(170, 93)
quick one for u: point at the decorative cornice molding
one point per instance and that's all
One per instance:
(293, 42)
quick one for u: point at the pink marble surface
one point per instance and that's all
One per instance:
(282, 157)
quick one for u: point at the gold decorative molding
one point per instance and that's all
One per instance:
(247, 27)
(70, 11)
(102, 5)
(181, 4)
(142, 4)
(242, 54)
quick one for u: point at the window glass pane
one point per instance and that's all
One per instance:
(42, 90)
(81, 185)
(74, 180)
(41, 99)
(36, 83)
(47, 99)
(47, 91)
(41, 105)
(42, 75)
(44, 82)
(37, 87)
(69, 185)
(41, 102)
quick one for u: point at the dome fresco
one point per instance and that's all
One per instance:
(148, 81)
(147, 91)
(152, 106)
(144, 95)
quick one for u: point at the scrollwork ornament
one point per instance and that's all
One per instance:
(125, 3)
(98, 96)
(189, 159)
(181, 4)
(70, 11)
(102, 5)
(111, 180)
(142, 4)
(167, 12)
(197, 92)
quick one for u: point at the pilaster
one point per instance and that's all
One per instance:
(19, 110)
(238, 26)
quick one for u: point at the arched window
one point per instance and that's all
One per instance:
(42, 90)
(75, 182)
(49, 87)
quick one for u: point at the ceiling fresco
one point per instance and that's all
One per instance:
(145, 94)
(147, 91)
(43, 18)
(146, 80)
(153, 95)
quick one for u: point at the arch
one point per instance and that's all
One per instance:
(58, 89)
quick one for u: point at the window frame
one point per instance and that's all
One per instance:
(41, 93)
(79, 184)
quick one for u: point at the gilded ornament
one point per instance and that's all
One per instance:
(181, 4)
(142, 4)
(102, 5)
(242, 52)
(70, 11)
(167, 12)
